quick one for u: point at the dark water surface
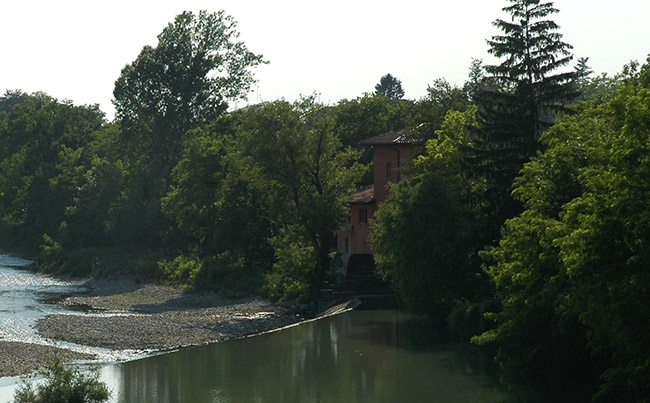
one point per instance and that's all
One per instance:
(359, 356)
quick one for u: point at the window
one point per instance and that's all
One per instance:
(388, 170)
(363, 215)
(347, 245)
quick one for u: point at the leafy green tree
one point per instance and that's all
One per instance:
(42, 141)
(423, 234)
(525, 92)
(476, 80)
(605, 251)
(430, 111)
(390, 87)
(292, 155)
(183, 82)
(582, 69)
(98, 213)
(538, 333)
(210, 202)
(571, 271)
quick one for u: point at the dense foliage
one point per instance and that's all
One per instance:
(41, 144)
(182, 83)
(433, 270)
(64, 385)
(572, 270)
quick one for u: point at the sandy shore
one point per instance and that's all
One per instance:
(122, 314)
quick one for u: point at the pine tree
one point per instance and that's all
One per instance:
(582, 70)
(390, 87)
(521, 99)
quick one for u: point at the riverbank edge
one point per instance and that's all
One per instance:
(166, 319)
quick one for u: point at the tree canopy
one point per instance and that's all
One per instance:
(423, 233)
(521, 97)
(390, 87)
(291, 153)
(184, 81)
(572, 269)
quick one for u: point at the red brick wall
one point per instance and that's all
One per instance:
(382, 156)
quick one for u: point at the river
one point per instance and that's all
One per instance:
(366, 355)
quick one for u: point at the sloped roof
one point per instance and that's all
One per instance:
(364, 196)
(401, 136)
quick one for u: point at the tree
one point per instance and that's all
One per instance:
(42, 141)
(431, 110)
(523, 96)
(98, 213)
(572, 270)
(183, 82)
(583, 71)
(476, 79)
(390, 87)
(291, 153)
(213, 205)
(424, 235)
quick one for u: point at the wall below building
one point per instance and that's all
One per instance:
(352, 238)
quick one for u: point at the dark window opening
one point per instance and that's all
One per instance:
(363, 215)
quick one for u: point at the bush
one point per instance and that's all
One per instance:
(64, 385)
(221, 273)
(290, 276)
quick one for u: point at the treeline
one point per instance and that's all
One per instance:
(523, 222)
(178, 189)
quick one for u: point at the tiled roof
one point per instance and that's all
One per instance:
(401, 136)
(364, 196)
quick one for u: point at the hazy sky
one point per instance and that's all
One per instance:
(75, 49)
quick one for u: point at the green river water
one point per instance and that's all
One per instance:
(359, 356)
(365, 355)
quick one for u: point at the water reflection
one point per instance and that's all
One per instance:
(360, 356)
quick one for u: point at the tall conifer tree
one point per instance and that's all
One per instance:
(524, 94)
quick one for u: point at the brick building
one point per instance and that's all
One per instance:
(391, 152)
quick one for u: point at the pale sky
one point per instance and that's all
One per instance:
(75, 49)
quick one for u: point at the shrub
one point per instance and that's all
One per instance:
(63, 385)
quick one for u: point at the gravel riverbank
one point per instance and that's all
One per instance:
(121, 314)
(22, 358)
(126, 315)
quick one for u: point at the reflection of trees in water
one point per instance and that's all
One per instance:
(351, 357)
